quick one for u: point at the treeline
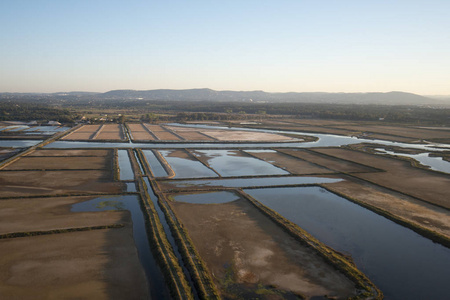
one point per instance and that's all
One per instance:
(166, 110)
(198, 111)
(23, 111)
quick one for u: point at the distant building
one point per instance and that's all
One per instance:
(54, 123)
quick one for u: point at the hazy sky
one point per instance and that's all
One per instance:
(275, 46)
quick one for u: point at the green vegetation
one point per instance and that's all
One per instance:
(19, 111)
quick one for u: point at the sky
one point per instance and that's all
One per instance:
(275, 46)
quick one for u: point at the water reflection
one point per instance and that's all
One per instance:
(402, 263)
(158, 289)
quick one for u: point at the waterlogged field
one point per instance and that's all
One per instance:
(226, 212)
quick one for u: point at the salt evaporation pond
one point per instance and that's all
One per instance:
(157, 286)
(230, 163)
(402, 263)
(187, 168)
(126, 171)
(154, 164)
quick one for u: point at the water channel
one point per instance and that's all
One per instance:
(126, 171)
(157, 286)
(402, 263)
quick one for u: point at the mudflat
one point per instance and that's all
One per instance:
(249, 255)
(97, 264)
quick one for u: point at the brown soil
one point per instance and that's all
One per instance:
(98, 264)
(60, 163)
(400, 175)
(402, 131)
(110, 132)
(330, 163)
(426, 215)
(291, 164)
(70, 152)
(78, 136)
(44, 214)
(32, 183)
(248, 254)
(194, 136)
(83, 133)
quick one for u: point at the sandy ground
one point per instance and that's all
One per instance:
(97, 264)
(139, 132)
(291, 164)
(248, 254)
(400, 176)
(48, 213)
(83, 133)
(426, 215)
(110, 132)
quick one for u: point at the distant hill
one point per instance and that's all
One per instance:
(390, 98)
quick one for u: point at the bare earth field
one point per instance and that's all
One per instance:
(291, 164)
(71, 152)
(40, 181)
(139, 132)
(85, 132)
(399, 175)
(22, 183)
(60, 163)
(110, 132)
(49, 213)
(262, 259)
(97, 264)
(336, 165)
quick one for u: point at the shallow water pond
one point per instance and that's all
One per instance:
(154, 164)
(402, 263)
(126, 171)
(185, 167)
(232, 163)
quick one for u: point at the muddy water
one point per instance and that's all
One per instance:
(403, 264)
(154, 164)
(254, 182)
(207, 198)
(231, 163)
(126, 171)
(187, 168)
(157, 286)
